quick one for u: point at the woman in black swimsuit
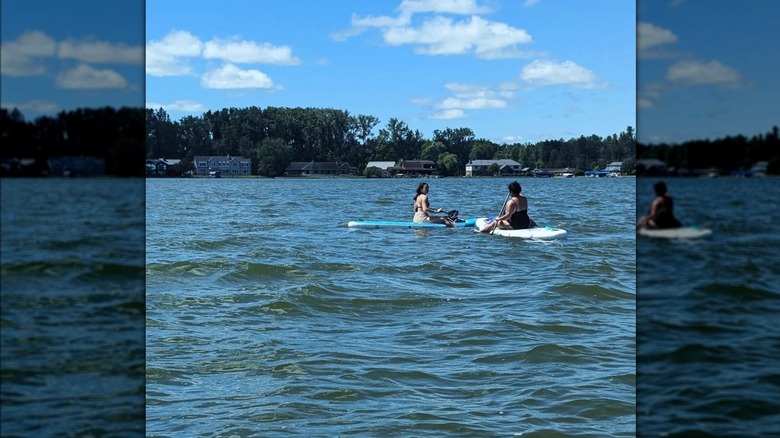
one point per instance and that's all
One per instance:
(515, 213)
(661, 212)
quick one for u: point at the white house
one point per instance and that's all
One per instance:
(614, 166)
(652, 163)
(477, 167)
(225, 165)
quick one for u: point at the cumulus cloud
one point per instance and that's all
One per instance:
(693, 73)
(230, 76)
(547, 73)
(40, 106)
(467, 97)
(652, 41)
(462, 7)
(178, 105)
(449, 114)
(649, 35)
(443, 36)
(23, 56)
(249, 52)
(471, 97)
(168, 56)
(86, 77)
(100, 52)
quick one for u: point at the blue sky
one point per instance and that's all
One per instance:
(707, 69)
(511, 70)
(62, 55)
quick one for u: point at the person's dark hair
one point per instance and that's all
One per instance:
(514, 188)
(660, 188)
(419, 189)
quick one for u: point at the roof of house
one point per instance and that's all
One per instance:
(317, 165)
(651, 162)
(418, 165)
(384, 165)
(502, 162)
(219, 158)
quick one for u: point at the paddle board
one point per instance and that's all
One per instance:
(539, 233)
(405, 224)
(675, 233)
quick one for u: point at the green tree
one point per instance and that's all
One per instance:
(272, 157)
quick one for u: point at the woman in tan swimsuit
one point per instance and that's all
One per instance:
(422, 207)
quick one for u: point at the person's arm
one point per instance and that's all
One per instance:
(507, 209)
(429, 209)
(655, 208)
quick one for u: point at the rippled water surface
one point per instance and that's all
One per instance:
(707, 310)
(72, 286)
(267, 315)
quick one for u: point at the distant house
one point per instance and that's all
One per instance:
(225, 165)
(76, 166)
(505, 167)
(160, 166)
(759, 169)
(381, 165)
(651, 165)
(614, 167)
(415, 167)
(308, 168)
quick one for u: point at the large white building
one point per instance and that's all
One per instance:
(225, 165)
(477, 167)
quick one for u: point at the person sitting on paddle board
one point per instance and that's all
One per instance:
(515, 212)
(661, 211)
(422, 207)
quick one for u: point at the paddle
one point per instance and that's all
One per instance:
(495, 221)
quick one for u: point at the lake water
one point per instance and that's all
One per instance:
(72, 285)
(266, 315)
(707, 310)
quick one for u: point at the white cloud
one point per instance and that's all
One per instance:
(467, 97)
(378, 21)
(529, 3)
(86, 77)
(650, 36)
(100, 52)
(178, 105)
(471, 97)
(249, 52)
(40, 106)
(230, 76)
(168, 57)
(22, 57)
(693, 73)
(449, 114)
(462, 7)
(547, 73)
(442, 36)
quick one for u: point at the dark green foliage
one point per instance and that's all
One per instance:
(372, 172)
(324, 134)
(723, 155)
(115, 135)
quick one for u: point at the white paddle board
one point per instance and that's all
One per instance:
(539, 233)
(675, 233)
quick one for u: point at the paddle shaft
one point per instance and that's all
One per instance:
(495, 222)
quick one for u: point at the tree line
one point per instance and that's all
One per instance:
(274, 136)
(115, 135)
(725, 155)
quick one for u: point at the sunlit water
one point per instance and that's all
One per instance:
(707, 311)
(72, 286)
(266, 315)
